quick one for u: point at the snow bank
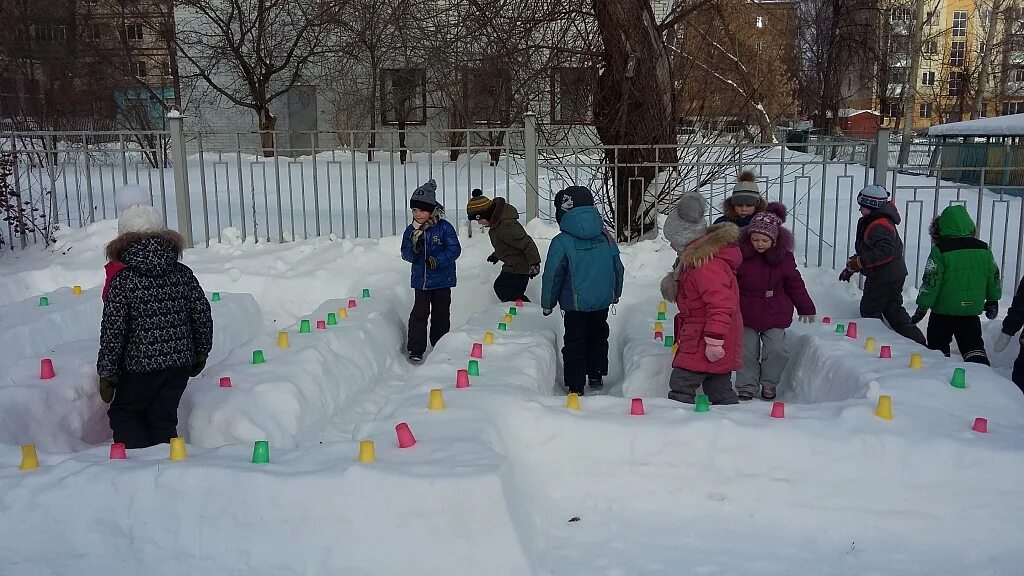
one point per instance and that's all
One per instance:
(28, 330)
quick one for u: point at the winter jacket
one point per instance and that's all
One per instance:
(512, 245)
(583, 271)
(440, 242)
(111, 268)
(961, 272)
(1014, 320)
(771, 285)
(879, 247)
(709, 301)
(156, 316)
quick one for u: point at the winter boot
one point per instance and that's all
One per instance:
(595, 382)
(415, 358)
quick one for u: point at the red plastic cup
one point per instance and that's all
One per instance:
(885, 352)
(778, 410)
(637, 407)
(405, 437)
(352, 303)
(826, 320)
(980, 425)
(478, 351)
(659, 335)
(225, 381)
(117, 451)
(46, 369)
(321, 325)
(851, 330)
(462, 378)
(519, 302)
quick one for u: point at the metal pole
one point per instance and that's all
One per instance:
(881, 156)
(530, 145)
(176, 124)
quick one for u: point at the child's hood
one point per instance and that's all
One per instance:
(718, 242)
(583, 222)
(150, 254)
(887, 210)
(955, 222)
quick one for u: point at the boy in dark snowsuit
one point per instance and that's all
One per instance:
(1011, 325)
(880, 259)
(156, 333)
(583, 275)
(961, 280)
(432, 246)
(513, 247)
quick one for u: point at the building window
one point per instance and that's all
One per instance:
(928, 78)
(984, 109)
(572, 93)
(760, 22)
(959, 24)
(1018, 74)
(487, 94)
(900, 15)
(138, 69)
(1013, 108)
(958, 54)
(933, 18)
(48, 32)
(925, 110)
(931, 47)
(956, 83)
(898, 76)
(893, 110)
(132, 33)
(404, 95)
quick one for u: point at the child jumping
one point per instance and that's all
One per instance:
(961, 280)
(431, 245)
(513, 247)
(880, 259)
(745, 201)
(156, 333)
(1011, 325)
(709, 326)
(770, 288)
(583, 275)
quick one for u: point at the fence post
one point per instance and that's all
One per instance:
(881, 163)
(176, 125)
(532, 169)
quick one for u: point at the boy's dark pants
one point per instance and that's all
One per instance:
(942, 328)
(584, 348)
(145, 407)
(509, 286)
(683, 385)
(434, 305)
(1018, 369)
(884, 300)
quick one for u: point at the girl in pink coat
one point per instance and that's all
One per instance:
(770, 288)
(709, 326)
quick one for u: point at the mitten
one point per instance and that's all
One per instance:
(534, 270)
(991, 309)
(493, 258)
(547, 311)
(918, 315)
(807, 318)
(1002, 342)
(108, 385)
(714, 349)
(197, 368)
(431, 262)
(853, 263)
(845, 275)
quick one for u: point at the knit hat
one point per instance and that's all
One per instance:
(685, 222)
(746, 192)
(873, 197)
(769, 222)
(135, 212)
(425, 197)
(571, 197)
(479, 207)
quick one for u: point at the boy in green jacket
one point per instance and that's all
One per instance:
(961, 280)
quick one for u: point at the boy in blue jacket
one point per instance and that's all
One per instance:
(583, 274)
(431, 245)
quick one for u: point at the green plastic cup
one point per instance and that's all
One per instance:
(474, 368)
(513, 311)
(304, 327)
(669, 341)
(332, 319)
(366, 292)
(257, 357)
(44, 301)
(215, 297)
(840, 329)
(502, 326)
(661, 317)
(702, 404)
(959, 378)
(261, 452)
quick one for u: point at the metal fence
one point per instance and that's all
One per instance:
(237, 187)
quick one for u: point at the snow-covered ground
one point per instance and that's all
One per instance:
(506, 479)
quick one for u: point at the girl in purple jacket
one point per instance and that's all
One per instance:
(770, 287)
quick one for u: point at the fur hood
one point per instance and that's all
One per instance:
(116, 247)
(703, 249)
(784, 243)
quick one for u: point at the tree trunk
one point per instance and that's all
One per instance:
(909, 95)
(986, 59)
(633, 109)
(268, 123)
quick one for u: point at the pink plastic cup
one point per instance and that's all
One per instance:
(778, 410)
(980, 425)
(117, 451)
(225, 382)
(885, 352)
(46, 369)
(478, 351)
(405, 437)
(851, 330)
(462, 378)
(321, 325)
(637, 407)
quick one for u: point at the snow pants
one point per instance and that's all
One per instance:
(433, 305)
(509, 286)
(584, 348)
(1018, 369)
(764, 359)
(884, 300)
(145, 408)
(942, 328)
(683, 385)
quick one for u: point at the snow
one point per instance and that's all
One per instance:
(497, 480)
(1012, 125)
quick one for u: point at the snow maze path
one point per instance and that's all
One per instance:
(507, 480)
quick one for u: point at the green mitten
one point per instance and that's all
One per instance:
(108, 385)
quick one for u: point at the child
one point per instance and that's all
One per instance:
(770, 288)
(583, 274)
(708, 327)
(746, 200)
(431, 245)
(157, 331)
(961, 280)
(879, 258)
(513, 247)
(1011, 325)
